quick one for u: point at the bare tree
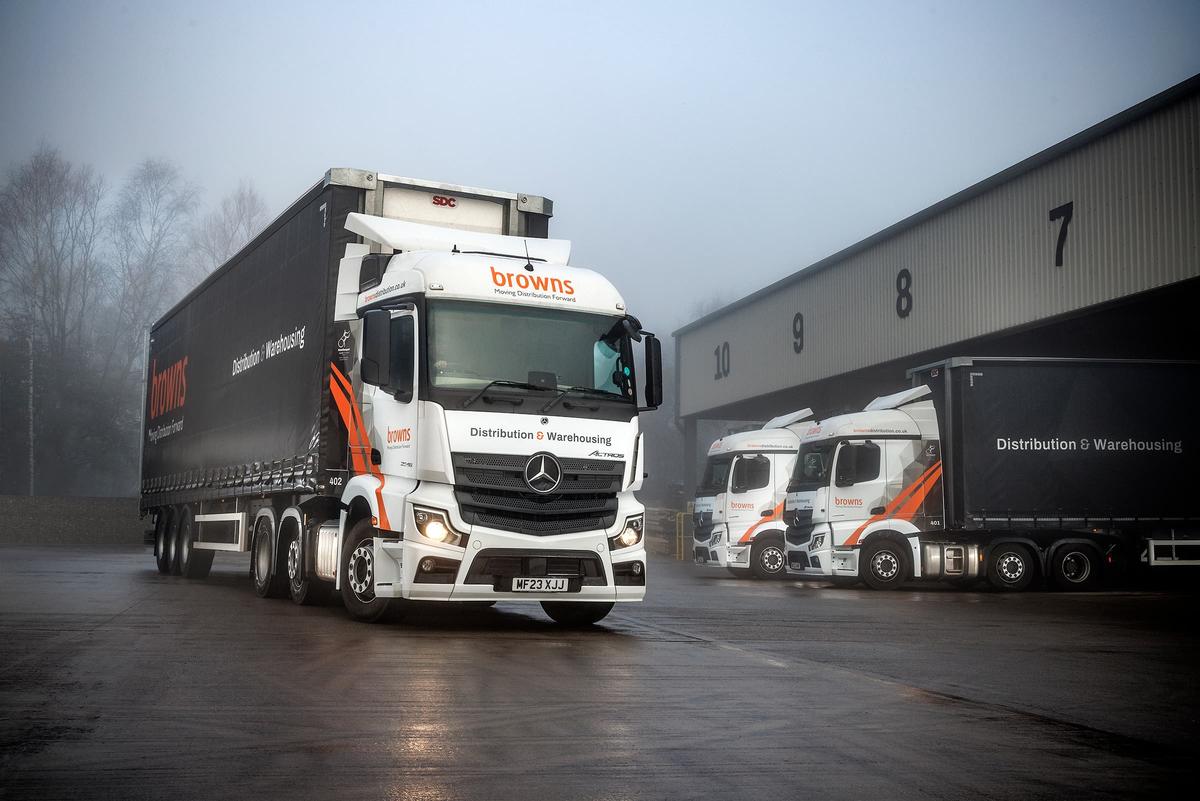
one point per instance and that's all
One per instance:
(147, 227)
(50, 232)
(227, 229)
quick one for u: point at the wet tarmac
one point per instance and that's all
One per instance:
(116, 682)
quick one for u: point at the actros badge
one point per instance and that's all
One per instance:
(543, 473)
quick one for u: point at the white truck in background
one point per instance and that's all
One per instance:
(401, 390)
(1011, 469)
(738, 512)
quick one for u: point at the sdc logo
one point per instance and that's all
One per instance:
(442, 200)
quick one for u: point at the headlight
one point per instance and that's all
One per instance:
(432, 524)
(630, 536)
(817, 542)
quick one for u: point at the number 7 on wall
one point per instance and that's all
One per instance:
(1064, 213)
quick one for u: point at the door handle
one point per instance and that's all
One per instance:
(878, 510)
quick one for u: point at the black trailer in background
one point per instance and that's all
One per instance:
(1087, 440)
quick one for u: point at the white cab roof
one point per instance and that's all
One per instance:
(776, 439)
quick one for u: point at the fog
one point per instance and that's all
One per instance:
(695, 152)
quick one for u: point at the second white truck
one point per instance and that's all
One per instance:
(738, 513)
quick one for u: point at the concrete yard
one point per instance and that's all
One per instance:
(117, 682)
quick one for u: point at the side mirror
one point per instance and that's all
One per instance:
(847, 464)
(375, 364)
(654, 391)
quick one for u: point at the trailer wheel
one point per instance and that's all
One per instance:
(358, 574)
(303, 588)
(193, 563)
(883, 565)
(162, 535)
(576, 614)
(1010, 567)
(1075, 567)
(268, 582)
(767, 560)
(173, 543)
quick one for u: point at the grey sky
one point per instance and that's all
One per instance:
(693, 150)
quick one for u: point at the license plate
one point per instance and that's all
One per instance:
(539, 585)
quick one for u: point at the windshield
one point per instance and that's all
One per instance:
(472, 344)
(812, 467)
(716, 476)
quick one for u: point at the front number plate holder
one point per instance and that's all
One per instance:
(541, 584)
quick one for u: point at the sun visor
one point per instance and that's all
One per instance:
(404, 236)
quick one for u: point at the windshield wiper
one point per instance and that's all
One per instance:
(582, 390)
(500, 382)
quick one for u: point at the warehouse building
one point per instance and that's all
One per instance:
(1090, 248)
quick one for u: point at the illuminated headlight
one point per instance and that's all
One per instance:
(433, 525)
(817, 542)
(630, 536)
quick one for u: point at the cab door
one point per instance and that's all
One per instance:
(751, 493)
(857, 488)
(390, 391)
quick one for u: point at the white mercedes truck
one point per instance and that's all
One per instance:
(737, 519)
(401, 390)
(1015, 470)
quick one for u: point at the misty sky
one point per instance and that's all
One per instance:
(694, 151)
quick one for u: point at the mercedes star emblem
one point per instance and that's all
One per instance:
(543, 473)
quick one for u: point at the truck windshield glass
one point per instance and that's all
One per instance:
(812, 467)
(472, 344)
(716, 475)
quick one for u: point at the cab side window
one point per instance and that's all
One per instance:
(857, 464)
(751, 473)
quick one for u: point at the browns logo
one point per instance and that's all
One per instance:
(539, 282)
(168, 389)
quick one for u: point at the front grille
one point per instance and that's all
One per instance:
(491, 491)
(498, 567)
(703, 533)
(798, 535)
(701, 554)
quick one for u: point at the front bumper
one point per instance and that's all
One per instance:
(483, 570)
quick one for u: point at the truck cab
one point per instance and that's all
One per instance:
(493, 426)
(864, 486)
(737, 515)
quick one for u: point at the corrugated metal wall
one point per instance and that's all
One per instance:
(978, 268)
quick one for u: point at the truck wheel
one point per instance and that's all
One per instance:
(193, 563)
(267, 583)
(1075, 567)
(576, 613)
(162, 536)
(358, 574)
(304, 589)
(767, 560)
(883, 565)
(1010, 567)
(173, 543)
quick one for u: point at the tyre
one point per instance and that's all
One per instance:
(1011, 567)
(1075, 567)
(173, 543)
(193, 563)
(358, 574)
(269, 582)
(767, 560)
(162, 535)
(303, 588)
(576, 613)
(883, 565)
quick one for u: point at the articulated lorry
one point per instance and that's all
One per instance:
(1016, 470)
(738, 513)
(400, 390)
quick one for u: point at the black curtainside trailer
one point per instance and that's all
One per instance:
(1053, 459)
(1071, 440)
(238, 401)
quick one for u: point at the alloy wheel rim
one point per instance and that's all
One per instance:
(1076, 567)
(772, 560)
(361, 573)
(885, 565)
(1011, 567)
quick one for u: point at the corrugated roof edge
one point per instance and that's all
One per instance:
(1129, 116)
